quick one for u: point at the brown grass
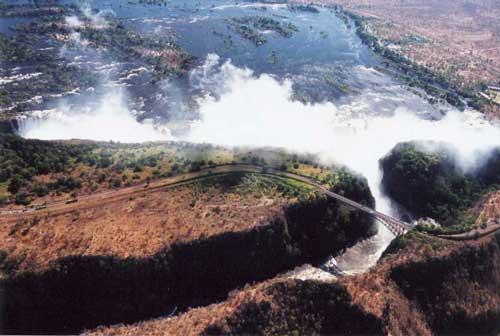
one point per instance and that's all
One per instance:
(138, 224)
(375, 292)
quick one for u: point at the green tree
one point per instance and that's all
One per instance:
(15, 184)
(23, 198)
(117, 183)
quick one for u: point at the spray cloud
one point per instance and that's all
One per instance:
(110, 119)
(259, 111)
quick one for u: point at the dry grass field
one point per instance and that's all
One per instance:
(117, 225)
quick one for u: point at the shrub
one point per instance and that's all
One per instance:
(15, 184)
(105, 160)
(36, 157)
(117, 183)
(151, 161)
(40, 190)
(195, 166)
(23, 198)
(102, 178)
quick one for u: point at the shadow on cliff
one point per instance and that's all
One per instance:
(459, 293)
(80, 292)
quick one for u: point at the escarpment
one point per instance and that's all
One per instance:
(457, 293)
(424, 285)
(215, 246)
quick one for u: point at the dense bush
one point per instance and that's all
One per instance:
(22, 159)
(432, 184)
(40, 190)
(65, 184)
(353, 187)
(22, 198)
(15, 184)
(18, 50)
(35, 157)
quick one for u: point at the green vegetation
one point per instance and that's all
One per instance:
(153, 2)
(259, 186)
(432, 184)
(335, 84)
(353, 187)
(19, 49)
(29, 10)
(128, 44)
(227, 39)
(415, 238)
(23, 160)
(465, 225)
(250, 34)
(55, 168)
(417, 39)
(246, 26)
(303, 8)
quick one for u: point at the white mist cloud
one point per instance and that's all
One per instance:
(73, 21)
(258, 111)
(97, 19)
(109, 120)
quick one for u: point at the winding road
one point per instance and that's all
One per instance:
(396, 226)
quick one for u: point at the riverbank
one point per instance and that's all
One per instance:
(428, 52)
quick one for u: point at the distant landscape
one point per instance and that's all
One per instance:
(458, 40)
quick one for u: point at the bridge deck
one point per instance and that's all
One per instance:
(396, 226)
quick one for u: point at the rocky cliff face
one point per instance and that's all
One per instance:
(423, 285)
(428, 287)
(299, 307)
(457, 293)
(86, 291)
